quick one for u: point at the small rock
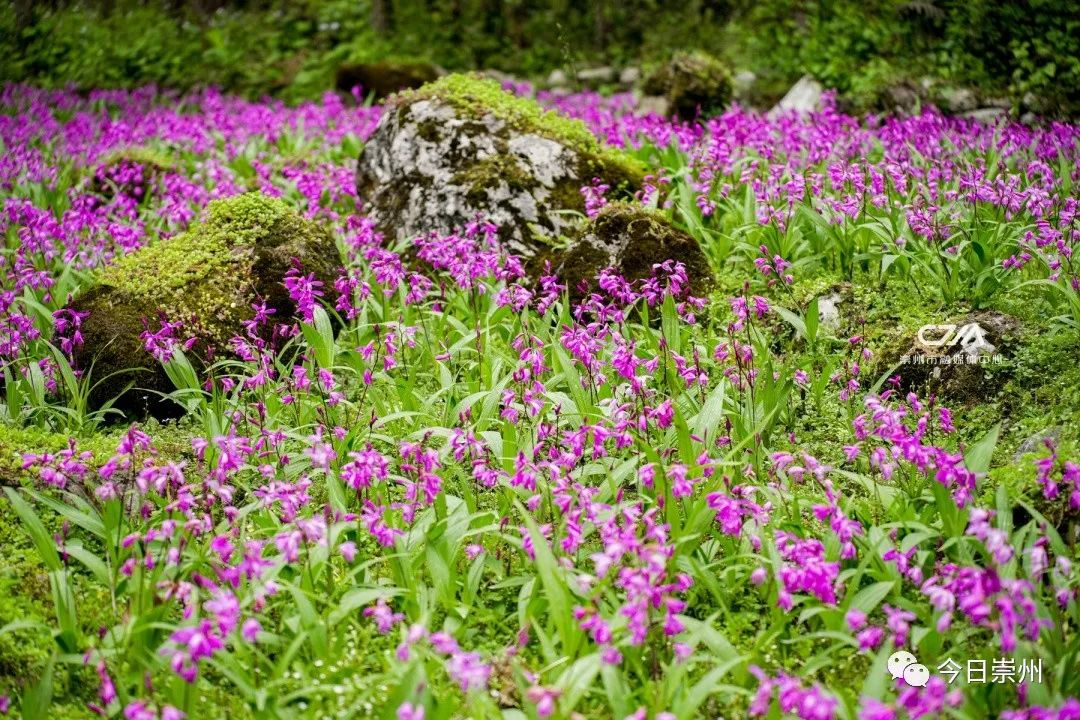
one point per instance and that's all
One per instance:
(596, 75)
(803, 97)
(500, 77)
(134, 172)
(958, 100)
(557, 78)
(902, 98)
(743, 83)
(1036, 442)
(829, 312)
(652, 105)
(693, 84)
(630, 76)
(955, 358)
(988, 115)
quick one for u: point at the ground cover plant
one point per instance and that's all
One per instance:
(447, 489)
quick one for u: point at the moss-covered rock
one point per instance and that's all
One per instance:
(632, 239)
(462, 147)
(132, 171)
(384, 78)
(692, 83)
(206, 278)
(965, 360)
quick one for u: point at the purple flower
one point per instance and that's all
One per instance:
(408, 711)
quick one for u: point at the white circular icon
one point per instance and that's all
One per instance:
(898, 661)
(916, 675)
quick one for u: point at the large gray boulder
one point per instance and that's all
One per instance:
(462, 147)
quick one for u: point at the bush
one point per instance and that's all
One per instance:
(294, 50)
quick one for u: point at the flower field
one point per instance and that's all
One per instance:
(453, 488)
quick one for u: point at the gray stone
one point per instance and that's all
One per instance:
(382, 79)
(829, 312)
(803, 97)
(500, 77)
(963, 359)
(694, 84)
(743, 82)
(902, 98)
(652, 105)
(596, 75)
(958, 100)
(987, 115)
(632, 239)
(630, 75)
(435, 165)
(1036, 442)
(556, 78)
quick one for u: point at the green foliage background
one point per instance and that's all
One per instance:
(291, 49)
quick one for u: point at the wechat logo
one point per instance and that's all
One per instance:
(903, 664)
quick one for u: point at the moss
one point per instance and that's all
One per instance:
(206, 278)
(429, 130)
(639, 238)
(151, 158)
(172, 441)
(478, 96)
(692, 82)
(493, 172)
(194, 276)
(16, 441)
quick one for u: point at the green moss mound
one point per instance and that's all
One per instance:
(206, 279)
(632, 239)
(692, 83)
(477, 96)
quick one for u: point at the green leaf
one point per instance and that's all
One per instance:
(576, 679)
(793, 319)
(43, 541)
(708, 420)
(93, 563)
(977, 459)
(556, 592)
(84, 516)
(357, 598)
(320, 338)
(703, 688)
(870, 597)
(811, 320)
(37, 699)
